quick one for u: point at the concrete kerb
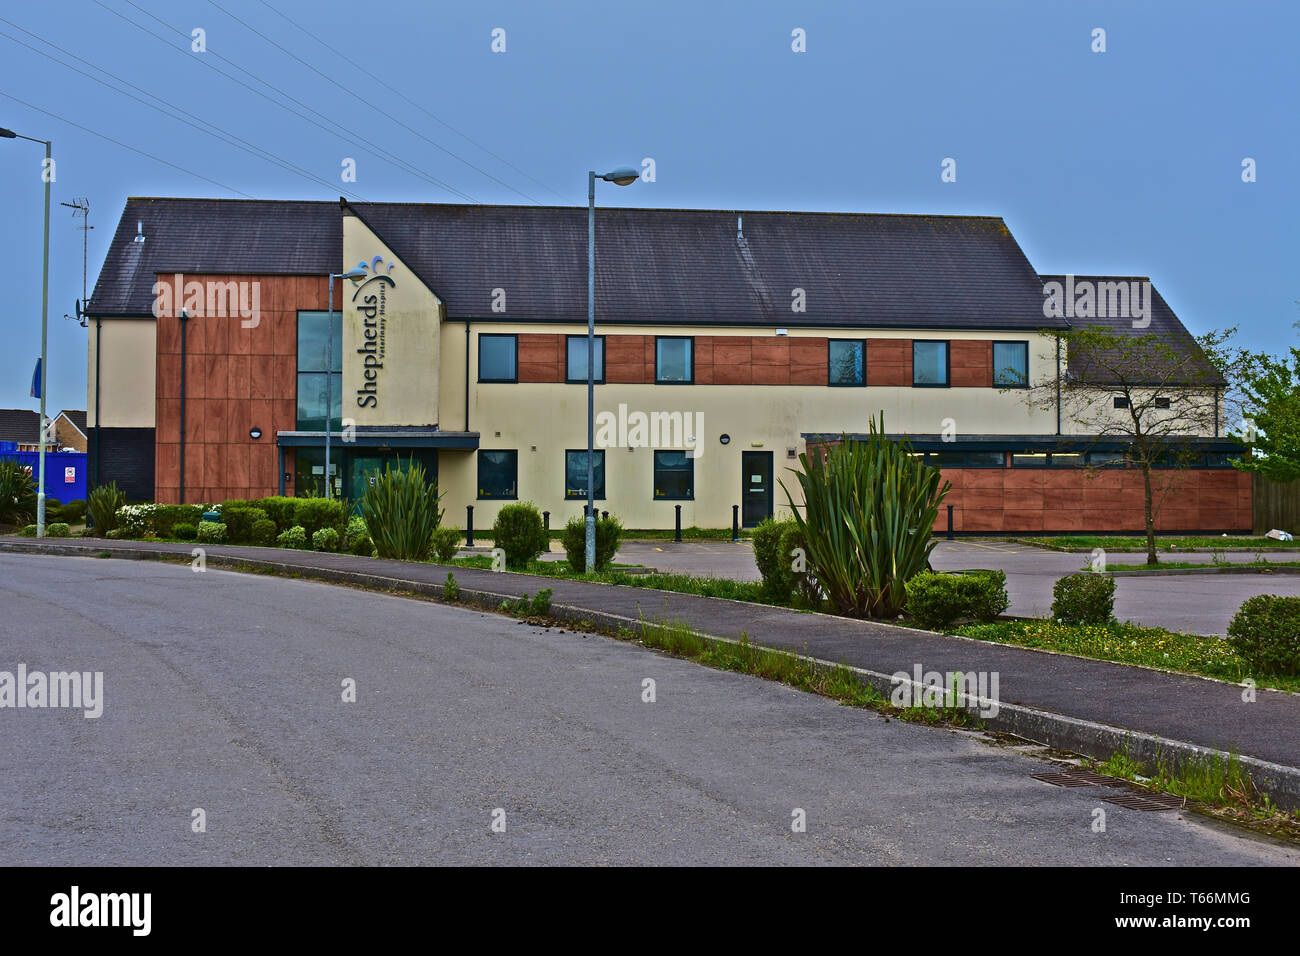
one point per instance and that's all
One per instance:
(1084, 737)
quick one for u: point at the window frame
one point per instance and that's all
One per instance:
(947, 363)
(654, 466)
(994, 350)
(862, 343)
(600, 488)
(690, 379)
(478, 474)
(569, 380)
(498, 335)
(336, 385)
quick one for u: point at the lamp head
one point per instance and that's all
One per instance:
(623, 176)
(7, 133)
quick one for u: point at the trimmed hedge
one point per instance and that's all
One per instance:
(263, 532)
(295, 537)
(279, 509)
(60, 529)
(445, 543)
(1265, 631)
(1084, 598)
(312, 514)
(519, 532)
(211, 532)
(325, 539)
(239, 521)
(185, 531)
(167, 517)
(609, 532)
(936, 600)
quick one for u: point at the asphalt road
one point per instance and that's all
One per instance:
(222, 691)
(1198, 604)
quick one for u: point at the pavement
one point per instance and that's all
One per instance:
(1090, 707)
(222, 693)
(1194, 603)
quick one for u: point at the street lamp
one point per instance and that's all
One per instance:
(45, 315)
(357, 273)
(623, 176)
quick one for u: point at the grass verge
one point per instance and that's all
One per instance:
(1107, 543)
(1258, 564)
(1129, 644)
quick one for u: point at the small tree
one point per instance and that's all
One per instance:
(1173, 391)
(1271, 396)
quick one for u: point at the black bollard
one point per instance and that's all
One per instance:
(677, 536)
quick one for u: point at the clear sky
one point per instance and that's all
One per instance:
(1126, 162)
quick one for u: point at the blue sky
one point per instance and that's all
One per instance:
(1125, 162)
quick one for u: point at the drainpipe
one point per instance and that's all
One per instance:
(184, 316)
(99, 435)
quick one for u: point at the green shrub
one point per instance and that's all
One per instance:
(867, 511)
(53, 511)
(115, 534)
(1265, 632)
(609, 534)
(451, 590)
(936, 600)
(60, 529)
(17, 492)
(239, 521)
(185, 531)
(74, 512)
(262, 532)
(363, 547)
(1084, 598)
(29, 531)
(401, 512)
(356, 529)
(136, 521)
(295, 537)
(279, 509)
(773, 560)
(325, 539)
(312, 514)
(211, 532)
(167, 517)
(445, 543)
(541, 603)
(102, 505)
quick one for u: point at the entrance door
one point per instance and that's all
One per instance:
(756, 492)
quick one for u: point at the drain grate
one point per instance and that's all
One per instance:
(1076, 778)
(1145, 801)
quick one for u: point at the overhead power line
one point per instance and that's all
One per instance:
(118, 142)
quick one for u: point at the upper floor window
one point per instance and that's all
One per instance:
(674, 360)
(314, 329)
(575, 367)
(847, 362)
(498, 358)
(929, 363)
(1011, 364)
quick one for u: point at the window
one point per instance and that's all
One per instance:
(847, 365)
(498, 474)
(1162, 403)
(1011, 364)
(1029, 460)
(313, 380)
(674, 475)
(985, 459)
(674, 360)
(966, 459)
(1121, 402)
(1066, 460)
(497, 356)
(575, 369)
(575, 474)
(930, 364)
(1106, 459)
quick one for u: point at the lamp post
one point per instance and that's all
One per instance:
(623, 176)
(45, 315)
(357, 273)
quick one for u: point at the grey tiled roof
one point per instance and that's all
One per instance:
(1164, 324)
(678, 266)
(19, 424)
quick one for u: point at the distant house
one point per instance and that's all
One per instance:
(23, 427)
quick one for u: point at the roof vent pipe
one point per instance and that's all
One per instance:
(139, 231)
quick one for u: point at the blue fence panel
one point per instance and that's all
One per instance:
(65, 471)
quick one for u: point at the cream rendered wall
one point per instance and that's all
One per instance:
(771, 418)
(407, 385)
(128, 362)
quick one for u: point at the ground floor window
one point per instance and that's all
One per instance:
(575, 474)
(498, 474)
(674, 475)
(309, 472)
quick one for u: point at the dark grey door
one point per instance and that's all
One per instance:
(756, 492)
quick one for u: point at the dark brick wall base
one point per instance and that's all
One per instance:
(126, 455)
